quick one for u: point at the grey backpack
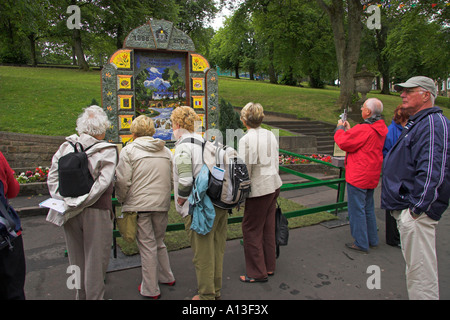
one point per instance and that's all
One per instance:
(231, 186)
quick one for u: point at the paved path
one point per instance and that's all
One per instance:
(315, 265)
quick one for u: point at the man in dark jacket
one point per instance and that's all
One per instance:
(363, 144)
(416, 184)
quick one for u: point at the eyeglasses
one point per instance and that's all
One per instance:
(409, 91)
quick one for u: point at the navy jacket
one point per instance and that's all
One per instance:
(416, 171)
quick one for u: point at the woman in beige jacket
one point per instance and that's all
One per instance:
(88, 219)
(259, 149)
(144, 178)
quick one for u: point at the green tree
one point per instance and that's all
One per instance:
(288, 37)
(414, 38)
(231, 43)
(229, 119)
(420, 44)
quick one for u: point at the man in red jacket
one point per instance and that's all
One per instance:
(364, 146)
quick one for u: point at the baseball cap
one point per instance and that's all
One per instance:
(420, 81)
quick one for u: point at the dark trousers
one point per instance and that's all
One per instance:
(392, 234)
(258, 229)
(12, 272)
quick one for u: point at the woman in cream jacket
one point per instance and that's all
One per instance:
(144, 178)
(259, 149)
(208, 249)
(88, 219)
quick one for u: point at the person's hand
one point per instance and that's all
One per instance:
(181, 201)
(345, 124)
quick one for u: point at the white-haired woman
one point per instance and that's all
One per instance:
(88, 219)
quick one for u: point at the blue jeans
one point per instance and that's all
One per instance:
(361, 213)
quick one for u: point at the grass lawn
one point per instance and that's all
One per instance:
(45, 101)
(176, 240)
(48, 101)
(316, 104)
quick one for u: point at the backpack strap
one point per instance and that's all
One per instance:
(195, 141)
(75, 146)
(81, 146)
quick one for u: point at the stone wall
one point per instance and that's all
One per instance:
(28, 150)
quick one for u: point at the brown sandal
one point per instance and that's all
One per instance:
(252, 280)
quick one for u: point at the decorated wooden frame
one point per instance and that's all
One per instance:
(156, 71)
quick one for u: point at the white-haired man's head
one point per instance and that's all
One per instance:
(371, 108)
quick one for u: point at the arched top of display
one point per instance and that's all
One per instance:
(159, 35)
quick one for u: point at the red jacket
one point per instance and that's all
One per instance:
(364, 146)
(10, 184)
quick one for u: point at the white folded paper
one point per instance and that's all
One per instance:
(54, 204)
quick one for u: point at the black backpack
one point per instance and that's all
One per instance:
(74, 177)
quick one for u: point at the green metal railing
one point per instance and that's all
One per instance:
(337, 184)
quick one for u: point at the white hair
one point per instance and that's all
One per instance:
(93, 121)
(375, 105)
(433, 99)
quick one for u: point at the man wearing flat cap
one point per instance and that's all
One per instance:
(416, 184)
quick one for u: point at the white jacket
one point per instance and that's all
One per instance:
(102, 160)
(144, 176)
(259, 150)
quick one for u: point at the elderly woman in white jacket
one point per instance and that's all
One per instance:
(259, 149)
(88, 219)
(144, 183)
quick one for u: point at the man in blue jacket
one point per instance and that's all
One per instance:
(416, 184)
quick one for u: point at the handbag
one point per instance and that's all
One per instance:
(127, 225)
(7, 226)
(281, 230)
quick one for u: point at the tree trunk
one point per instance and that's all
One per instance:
(347, 41)
(76, 37)
(32, 38)
(272, 74)
(251, 71)
(382, 60)
(119, 43)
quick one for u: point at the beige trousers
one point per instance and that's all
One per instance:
(151, 229)
(418, 241)
(89, 238)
